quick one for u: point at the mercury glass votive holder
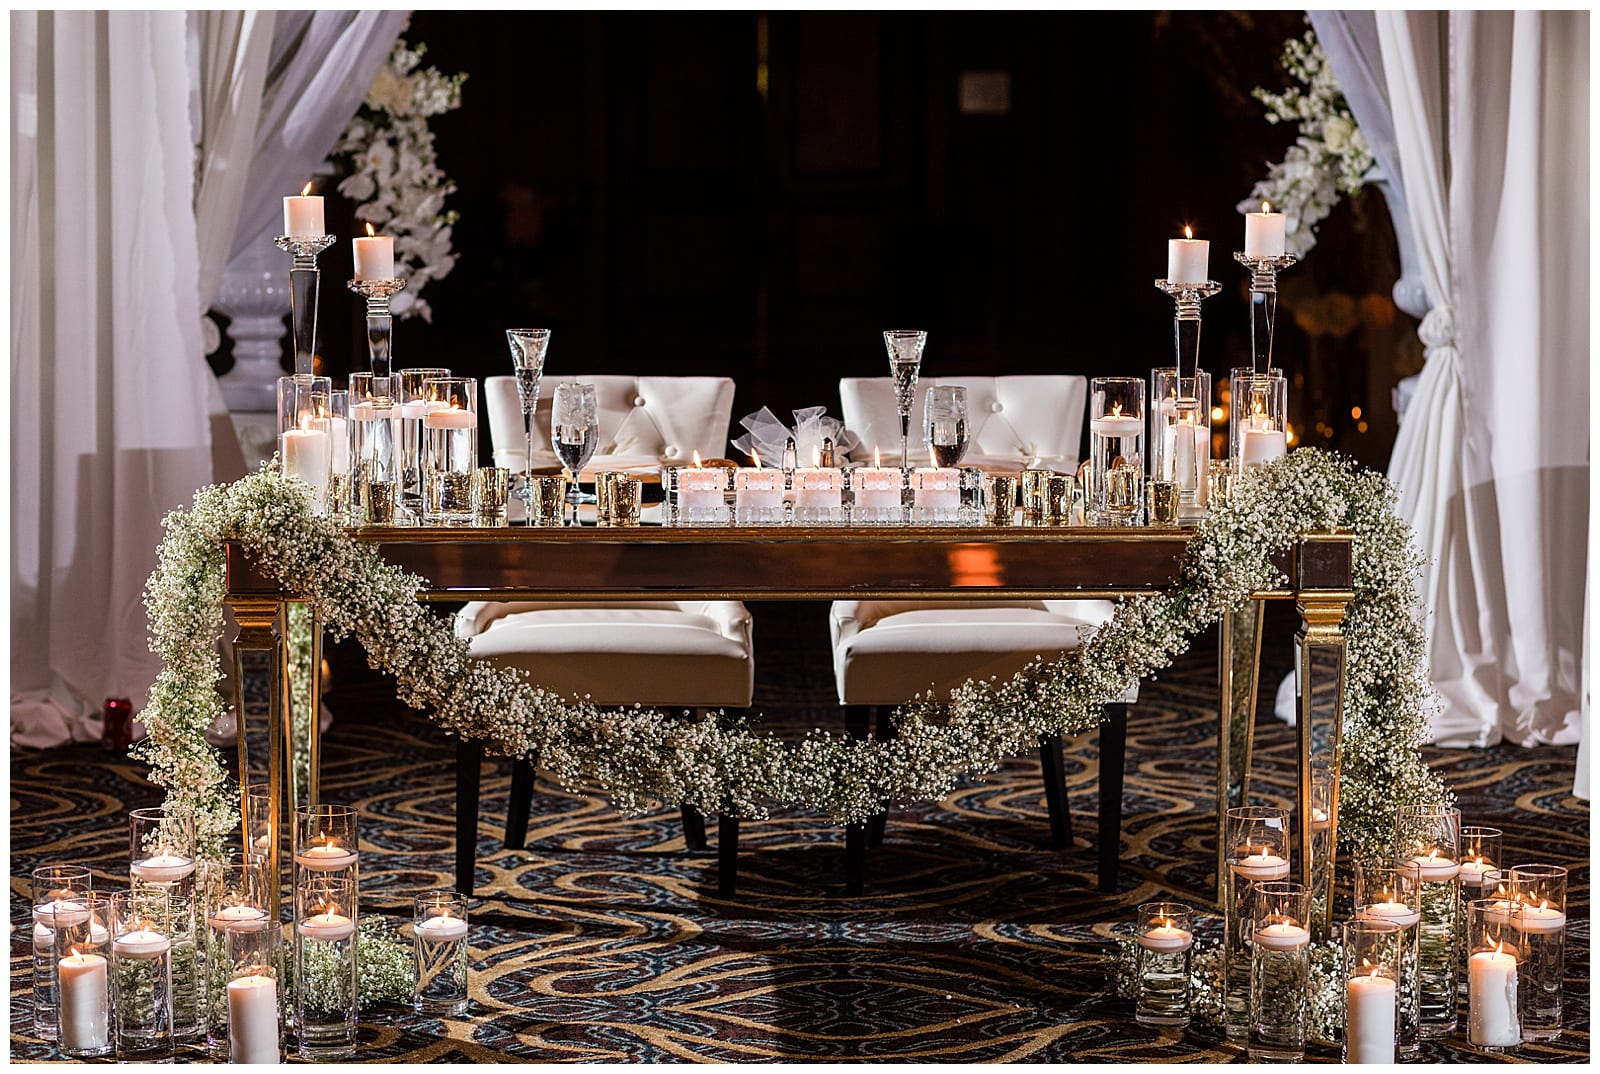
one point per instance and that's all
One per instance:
(547, 500)
(325, 964)
(161, 849)
(1257, 853)
(1259, 425)
(1541, 915)
(141, 975)
(58, 891)
(1165, 940)
(1035, 488)
(1371, 960)
(439, 930)
(1392, 896)
(1116, 451)
(1427, 843)
(1496, 948)
(1219, 486)
(1164, 502)
(491, 487)
(1280, 970)
(1000, 501)
(82, 954)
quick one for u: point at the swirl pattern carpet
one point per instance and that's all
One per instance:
(974, 941)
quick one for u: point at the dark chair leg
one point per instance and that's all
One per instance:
(1113, 748)
(885, 731)
(694, 827)
(1055, 792)
(857, 724)
(469, 775)
(521, 804)
(727, 854)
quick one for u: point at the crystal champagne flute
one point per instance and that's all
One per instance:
(905, 363)
(574, 433)
(946, 422)
(528, 347)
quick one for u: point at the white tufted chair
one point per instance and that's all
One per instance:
(1013, 420)
(886, 652)
(670, 654)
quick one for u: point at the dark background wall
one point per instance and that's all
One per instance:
(758, 196)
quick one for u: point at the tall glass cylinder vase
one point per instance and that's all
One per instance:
(186, 928)
(325, 964)
(161, 852)
(1428, 845)
(414, 402)
(1116, 451)
(58, 894)
(1390, 896)
(1180, 437)
(1495, 949)
(374, 452)
(305, 443)
(233, 895)
(1280, 970)
(1259, 427)
(1480, 857)
(141, 975)
(1372, 951)
(440, 935)
(83, 972)
(450, 450)
(341, 486)
(1541, 915)
(246, 1025)
(1165, 941)
(1257, 852)
(327, 839)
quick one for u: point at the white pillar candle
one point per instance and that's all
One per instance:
(1492, 1000)
(452, 417)
(338, 430)
(326, 857)
(1263, 445)
(1264, 233)
(936, 488)
(1541, 919)
(253, 1019)
(374, 256)
(306, 454)
(818, 488)
(141, 943)
(1369, 1022)
(302, 216)
(1188, 259)
(877, 487)
(328, 926)
(756, 490)
(1261, 866)
(1282, 936)
(1395, 913)
(441, 927)
(1166, 939)
(1433, 867)
(84, 1021)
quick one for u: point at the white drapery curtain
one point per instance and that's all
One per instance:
(109, 424)
(1491, 125)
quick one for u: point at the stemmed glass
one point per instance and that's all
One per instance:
(528, 346)
(905, 363)
(946, 419)
(574, 433)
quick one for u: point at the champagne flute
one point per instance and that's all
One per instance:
(574, 433)
(905, 362)
(947, 428)
(528, 346)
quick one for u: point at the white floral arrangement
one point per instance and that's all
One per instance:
(719, 764)
(1330, 156)
(395, 176)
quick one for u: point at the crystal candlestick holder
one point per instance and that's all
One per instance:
(905, 366)
(1428, 842)
(1280, 970)
(528, 347)
(82, 953)
(325, 964)
(1186, 299)
(1495, 949)
(1258, 852)
(58, 894)
(877, 495)
(1390, 896)
(1263, 303)
(440, 932)
(1371, 991)
(1180, 437)
(1258, 429)
(1116, 451)
(936, 496)
(305, 279)
(380, 322)
(1541, 916)
(1165, 941)
(758, 497)
(141, 975)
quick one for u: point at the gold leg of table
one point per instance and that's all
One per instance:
(261, 630)
(1238, 672)
(1321, 645)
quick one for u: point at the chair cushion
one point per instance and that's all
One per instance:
(886, 652)
(693, 654)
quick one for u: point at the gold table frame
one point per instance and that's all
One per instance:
(835, 563)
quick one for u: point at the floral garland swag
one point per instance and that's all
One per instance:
(641, 756)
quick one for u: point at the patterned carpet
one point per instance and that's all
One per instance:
(974, 941)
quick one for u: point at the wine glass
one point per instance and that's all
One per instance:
(574, 433)
(905, 362)
(527, 355)
(946, 424)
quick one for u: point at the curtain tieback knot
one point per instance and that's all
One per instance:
(1438, 329)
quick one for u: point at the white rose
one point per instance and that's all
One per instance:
(1336, 132)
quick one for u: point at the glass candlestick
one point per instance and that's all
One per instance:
(528, 347)
(1263, 303)
(1186, 298)
(905, 365)
(380, 322)
(305, 279)
(1180, 437)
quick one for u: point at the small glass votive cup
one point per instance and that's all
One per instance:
(141, 975)
(618, 499)
(548, 501)
(58, 891)
(161, 849)
(440, 942)
(1058, 500)
(81, 950)
(1541, 917)
(490, 491)
(1163, 497)
(1219, 485)
(1035, 487)
(1000, 504)
(325, 964)
(1372, 950)
(877, 495)
(1386, 895)
(1495, 953)
(1280, 970)
(1258, 852)
(1165, 940)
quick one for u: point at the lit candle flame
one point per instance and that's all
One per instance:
(76, 953)
(1167, 924)
(816, 457)
(1366, 964)
(1116, 410)
(875, 460)
(697, 460)
(370, 232)
(1265, 208)
(1188, 232)
(305, 189)
(756, 455)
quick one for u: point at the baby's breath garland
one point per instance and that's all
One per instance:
(641, 756)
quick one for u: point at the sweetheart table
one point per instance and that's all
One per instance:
(834, 563)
